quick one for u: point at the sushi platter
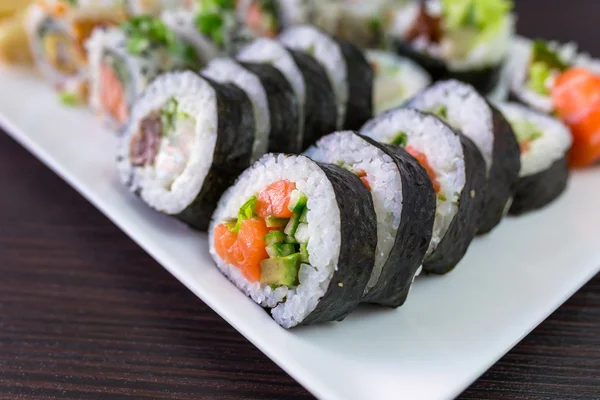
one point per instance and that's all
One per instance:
(365, 206)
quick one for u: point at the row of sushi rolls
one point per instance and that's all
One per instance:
(333, 150)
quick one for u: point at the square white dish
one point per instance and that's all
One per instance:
(451, 329)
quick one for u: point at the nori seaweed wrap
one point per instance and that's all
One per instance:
(467, 111)
(456, 170)
(349, 72)
(187, 140)
(316, 100)
(544, 143)
(404, 201)
(286, 235)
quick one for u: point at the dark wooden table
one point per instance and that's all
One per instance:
(86, 314)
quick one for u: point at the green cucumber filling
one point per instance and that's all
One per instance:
(211, 18)
(544, 65)
(526, 133)
(164, 141)
(400, 139)
(286, 243)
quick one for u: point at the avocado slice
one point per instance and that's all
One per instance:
(280, 249)
(280, 271)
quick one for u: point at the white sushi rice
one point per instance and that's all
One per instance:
(466, 111)
(197, 98)
(489, 53)
(444, 152)
(271, 52)
(355, 153)
(227, 70)
(517, 69)
(290, 305)
(141, 70)
(544, 151)
(397, 79)
(329, 55)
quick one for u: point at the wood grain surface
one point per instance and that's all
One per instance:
(86, 314)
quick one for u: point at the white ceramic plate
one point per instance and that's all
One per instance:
(451, 329)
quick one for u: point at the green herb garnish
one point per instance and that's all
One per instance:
(400, 139)
(68, 98)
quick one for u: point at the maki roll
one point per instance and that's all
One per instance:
(456, 170)
(544, 143)
(187, 140)
(404, 201)
(557, 80)
(274, 102)
(464, 109)
(316, 100)
(466, 40)
(286, 235)
(260, 17)
(57, 34)
(125, 59)
(349, 73)
(211, 26)
(397, 79)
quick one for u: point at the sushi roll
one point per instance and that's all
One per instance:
(397, 79)
(57, 33)
(466, 40)
(556, 79)
(544, 143)
(464, 109)
(457, 171)
(316, 100)
(349, 73)
(187, 140)
(260, 17)
(211, 26)
(274, 102)
(404, 201)
(357, 21)
(125, 59)
(286, 235)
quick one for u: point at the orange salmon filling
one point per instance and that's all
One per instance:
(422, 158)
(264, 232)
(112, 94)
(576, 98)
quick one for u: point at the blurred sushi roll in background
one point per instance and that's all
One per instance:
(456, 170)
(349, 72)
(404, 201)
(275, 105)
(466, 40)
(125, 59)
(187, 140)
(57, 34)
(556, 79)
(544, 143)
(396, 80)
(467, 111)
(286, 235)
(317, 111)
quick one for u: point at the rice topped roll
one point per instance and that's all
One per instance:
(57, 34)
(285, 234)
(404, 201)
(544, 143)
(125, 59)
(316, 100)
(466, 40)
(274, 102)
(349, 73)
(456, 170)
(465, 110)
(397, 79)
(187, 140)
